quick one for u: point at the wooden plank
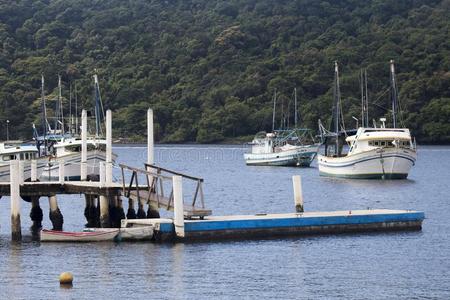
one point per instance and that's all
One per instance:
(165, 202)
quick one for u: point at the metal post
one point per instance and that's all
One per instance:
(83, 172)
(33, 170)
(178, 206)
(298, 194)
(16, 230)
(150, 139)
(108, 146)
(61, 171)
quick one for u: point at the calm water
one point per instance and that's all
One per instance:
(361, 266)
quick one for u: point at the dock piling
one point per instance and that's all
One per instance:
(104, 201)
(109, 176)
(83, 171)
(21, 171)
(33, 170)
(36, 214)
(61, 171)
(55, 214)
(16, 229)
(90, 211)
(178, 206)
(131, 213)
(298, 194)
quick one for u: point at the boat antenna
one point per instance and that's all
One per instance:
(295, 107)
(394, 95)
(70, 107)
(274, 108)
(364, 99)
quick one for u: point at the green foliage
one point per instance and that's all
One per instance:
(209, 68)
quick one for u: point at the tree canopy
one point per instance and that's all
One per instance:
(209, 68)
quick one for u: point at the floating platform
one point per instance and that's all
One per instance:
(290, 224)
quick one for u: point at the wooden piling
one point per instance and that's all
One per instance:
(298, 194)
(61, 172)
(36, 214)
(108, 146)
(178, 206)
(150, 138)
(131, 212)
(91, 212)
(103, 202)
(83, 171)
(55, 214)
(16, 229)
(33, 170)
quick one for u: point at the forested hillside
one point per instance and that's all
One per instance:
(209, 68)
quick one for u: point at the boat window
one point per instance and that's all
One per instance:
(6, 157)
(73, 148)
(22, 156)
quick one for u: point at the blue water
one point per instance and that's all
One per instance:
(406, 265)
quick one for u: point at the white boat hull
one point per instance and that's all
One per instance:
(99, 235)
(72, 166)
(300, 156)
(390, 163)
(41, 163)
(136, 233)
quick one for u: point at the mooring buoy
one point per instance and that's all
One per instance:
(66, 278)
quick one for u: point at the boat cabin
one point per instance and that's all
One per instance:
(262, 143)
(73, 145)
(10, 151)
(372, 138)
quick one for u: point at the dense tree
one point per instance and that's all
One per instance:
(209, 68)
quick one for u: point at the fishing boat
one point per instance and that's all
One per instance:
(68, 149)
(11, 150)
(98, 235)
(283, 147)
(373, 152)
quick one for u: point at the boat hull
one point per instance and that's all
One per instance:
(41, 163)
(301, 156)
(72, 166)
(85, 236)
(374, 164)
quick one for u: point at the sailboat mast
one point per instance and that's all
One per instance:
(361, 81)
(337, 100)
(295, 107)
(366, 107)
(98, 108)
(274, 107)
(61, 113)
(393, 95)
(76, 107)
(44, 112)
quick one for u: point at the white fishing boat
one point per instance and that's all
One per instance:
(26, 153)
(274, 149)
(69, 152)
(284, 147)
(68, 149)
(374, 153)
(97, 235)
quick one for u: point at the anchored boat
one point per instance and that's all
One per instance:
(283, 147)
(374, 153)
(98, 235)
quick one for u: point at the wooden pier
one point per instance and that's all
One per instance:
(161, 188)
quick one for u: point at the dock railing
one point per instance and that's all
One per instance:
(157, 186)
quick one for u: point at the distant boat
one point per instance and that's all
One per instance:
(98, 235)
(374, 153)
(284, 147)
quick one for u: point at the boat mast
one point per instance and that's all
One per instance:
(364, 99)
(394, 95)
(99, 115)
(337, 101)
(295, 107)
(60, 108)
(76, 106)
(274, 107)
(44, 113)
